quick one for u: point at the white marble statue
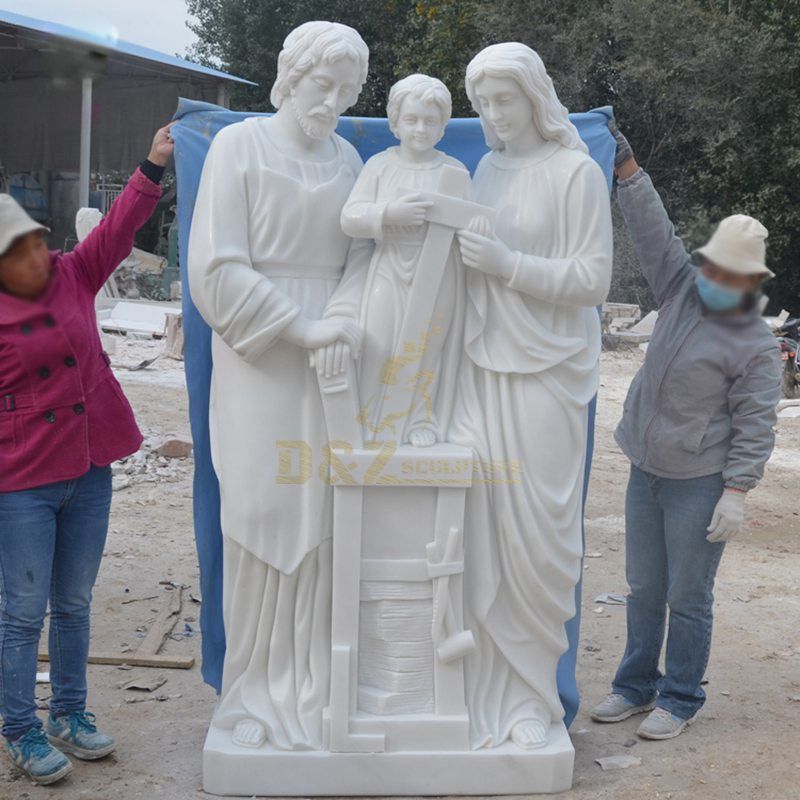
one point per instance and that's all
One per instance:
(389, 204)
(532, 342)
(266, 259)
(402, 368)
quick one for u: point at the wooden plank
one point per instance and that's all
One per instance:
(146, 655)
(174, 345)
(162, 627)
(134, 660)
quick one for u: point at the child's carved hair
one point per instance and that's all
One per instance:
(422, 87)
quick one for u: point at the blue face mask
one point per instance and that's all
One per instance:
(717, 297)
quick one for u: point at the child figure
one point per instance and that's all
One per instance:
(388, 204)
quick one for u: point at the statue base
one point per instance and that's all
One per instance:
(265, 771)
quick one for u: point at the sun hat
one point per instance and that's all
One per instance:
(15, 222)
(738, 245)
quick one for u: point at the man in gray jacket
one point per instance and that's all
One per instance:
(698, 430)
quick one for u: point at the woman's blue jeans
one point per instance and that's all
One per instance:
(51, 543)
(669, 564)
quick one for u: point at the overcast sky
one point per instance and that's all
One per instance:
(160, 24)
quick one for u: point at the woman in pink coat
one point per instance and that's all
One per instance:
(63, 420)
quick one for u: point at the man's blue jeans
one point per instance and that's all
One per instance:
(51, 544)
(669, 563)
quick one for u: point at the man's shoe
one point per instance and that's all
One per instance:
(616, 708)
(38, 759)
(662, 724)
(77, 734)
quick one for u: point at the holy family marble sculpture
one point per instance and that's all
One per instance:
(403, 359)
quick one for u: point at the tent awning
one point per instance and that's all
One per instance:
(25, 33)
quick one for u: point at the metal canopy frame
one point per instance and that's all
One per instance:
(93, 56)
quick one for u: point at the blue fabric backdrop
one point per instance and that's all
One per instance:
(199, 122)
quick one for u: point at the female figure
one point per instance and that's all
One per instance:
(387, 204)
(63, 420)
(532, 342)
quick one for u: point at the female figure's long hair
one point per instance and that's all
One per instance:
(520, 62)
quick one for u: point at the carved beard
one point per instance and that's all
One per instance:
(310, 125)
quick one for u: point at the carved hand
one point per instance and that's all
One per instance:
(484, 252)
(332, 359)
(316, 333)
(408, 210)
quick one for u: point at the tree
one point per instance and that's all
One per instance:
(441, 39)
(708, 91)
(245, 37)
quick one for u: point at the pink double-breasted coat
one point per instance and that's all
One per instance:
(61, 408)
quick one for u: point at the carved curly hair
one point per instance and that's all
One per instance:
(422, 87)
(309, 44)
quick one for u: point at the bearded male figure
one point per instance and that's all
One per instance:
(276, 279)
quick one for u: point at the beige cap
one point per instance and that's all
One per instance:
(738, 245)
(14, 222)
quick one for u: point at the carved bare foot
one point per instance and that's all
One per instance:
(422, 437)
(249, 733)
(529, 734)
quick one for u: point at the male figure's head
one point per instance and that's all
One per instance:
(321, 70)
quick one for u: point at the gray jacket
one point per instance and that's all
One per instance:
(705, 399)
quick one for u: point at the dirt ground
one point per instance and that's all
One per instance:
(746, 743)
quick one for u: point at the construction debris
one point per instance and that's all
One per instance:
(174, 344)
(618, 762)
(148, 654)
(163, 457)
(145, 683)
(623, 325)
(175, 446)
(127, 316)
(611, 599)
(647, 324)
(158, 698)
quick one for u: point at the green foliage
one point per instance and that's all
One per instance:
(245, 37)
(442, 38)
(707, 91)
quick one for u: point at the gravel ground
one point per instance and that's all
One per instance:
(746, 743)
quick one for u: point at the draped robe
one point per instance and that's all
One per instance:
(532, 346)
(386, 177)
(266, 245)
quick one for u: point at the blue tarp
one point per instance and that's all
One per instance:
(199, 123)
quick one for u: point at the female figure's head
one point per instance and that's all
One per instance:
(24, 258)
(321, 70)
(511, 91)
(419, 108)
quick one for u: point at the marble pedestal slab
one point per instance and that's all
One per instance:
(230, 770)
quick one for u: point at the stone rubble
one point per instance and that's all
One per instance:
(149, 466)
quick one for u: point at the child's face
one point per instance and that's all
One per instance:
(420, 125)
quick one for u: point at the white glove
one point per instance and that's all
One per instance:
(728, 517)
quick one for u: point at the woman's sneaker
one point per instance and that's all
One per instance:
(77, 734)
(38, 759)
(662, 724)
(616, 708)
